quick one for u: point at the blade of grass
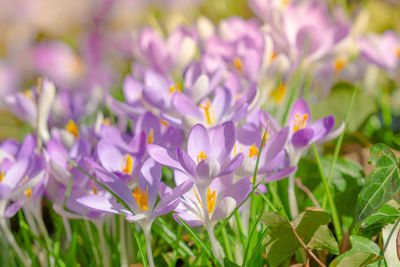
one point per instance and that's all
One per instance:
(263, 235)
(339, 142)
(335, 217)
(249, 241)
(141, 251)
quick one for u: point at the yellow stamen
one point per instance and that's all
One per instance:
(94, 188)
(28, 94)
(163, 122)
(339, 64)
(1, 176)
(211, 198)
(266, 138)
(141, 198)
(201, 156)
(253, 151)
(69, 166)
(197, 196)
(107, 121)
(300, 123)
(127, 164)
(238, 63)
(210, 117)
(28, 192)
(175, 87)
(150, 138)
(72, 128)
(234, 150)
(279, 93)
(273, 56)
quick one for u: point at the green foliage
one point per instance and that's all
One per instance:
(310, 226)
(363, 252)
(381, 185)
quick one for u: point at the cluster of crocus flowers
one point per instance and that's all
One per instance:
(204, 102)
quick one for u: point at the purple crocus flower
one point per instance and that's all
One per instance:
(139, 206)
(383, 51)
(207, 155)
(303, 132)
(209, 113)
(175, 53)
(223, 196)
(23, 175)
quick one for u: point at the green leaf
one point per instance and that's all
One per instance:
(323, 239)
(383, 216)
(381, 185)
(282, 242)
(228, 263)
(363, 252)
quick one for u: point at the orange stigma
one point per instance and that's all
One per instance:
(127, 164)
(175, 87)
(339, 64)
(142, 198)
(150, 139)
(253, 151)
(72, 128)
(238, 64)
(28, 192)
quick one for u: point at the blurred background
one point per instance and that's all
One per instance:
(81, 45)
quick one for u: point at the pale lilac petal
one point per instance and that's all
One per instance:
(233, 165)
(198, 141)
(109, 156)
(280, 174)
(186, 106)
(223, 139)
(186, 162)
(28, 147)
(132, 89)
(208, 168)
(163, 156)
(13, 208)
(100, 203)
(189, 218)
(162, 210)
(222, 102)
(150, 178)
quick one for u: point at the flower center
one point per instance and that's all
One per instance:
(211, 199)
(72, 128)
(142, 198)
(163, 122)
(28, 94)
(253, 151)
(28, 192)
(175, 87)
(339, 64)
(2, 176)
(201, 156)
(127, 164)
(210, 116)
(150, 139)
(300, 123)
(238, 64)
(94, 188)
(398, 51)
(273, 56)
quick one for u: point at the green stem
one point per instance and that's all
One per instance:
(227, 245)
(335, 217)
(146, 230)
(339, 143)
(239, 227)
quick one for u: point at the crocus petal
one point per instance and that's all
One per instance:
(186, 161)
(200, 88)
(47, 97)
(208, 168)
(300, 108)
(165, 209)
(100, 203)
(225, 207)
(223, 139)
(322, 127)
(18, 171)
(109, 156)
(189, 218)
(333, 134)
(163, 156)
(198, 141)
(132, 89)
(13, 208)
(302, 137)
(231, 167)
(135, 218)
(185, 105)
(150, 178)
(275, 145)
(281, 174)
(222, 102)
(27, 148)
